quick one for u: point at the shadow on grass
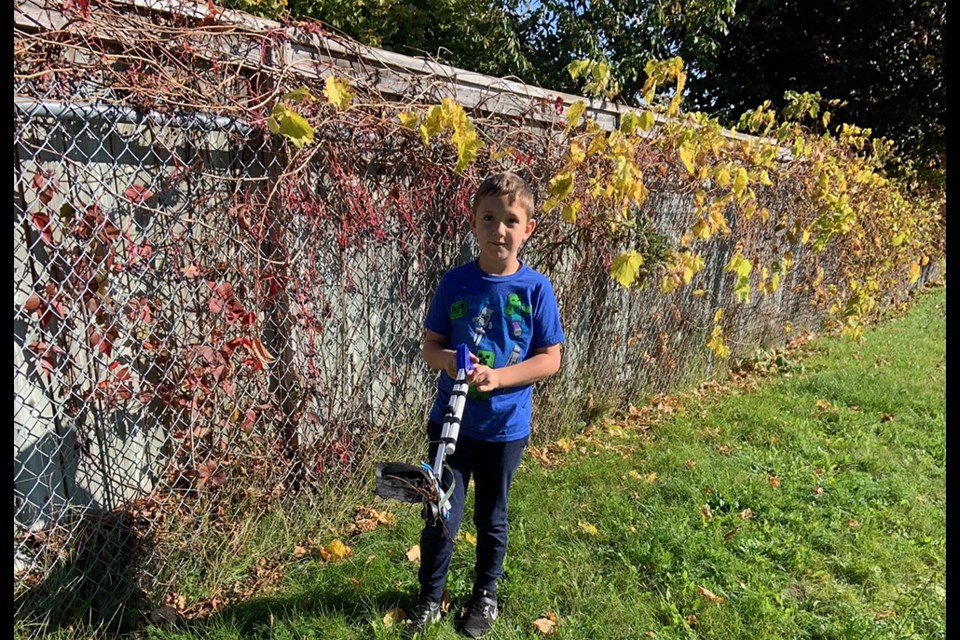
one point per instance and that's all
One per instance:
(255, 616)
(92, 583)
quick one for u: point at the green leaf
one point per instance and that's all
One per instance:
(625, 267)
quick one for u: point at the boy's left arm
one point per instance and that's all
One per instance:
(544, 363)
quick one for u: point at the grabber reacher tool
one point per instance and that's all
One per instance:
(425, 484)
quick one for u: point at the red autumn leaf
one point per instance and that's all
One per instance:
(249, 419)
(45, 186)
(137, 193)
(42, 222)
(32, 302)
(235, 312)
(222, 293)
(109, 232)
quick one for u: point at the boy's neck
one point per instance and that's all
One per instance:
(505, 268)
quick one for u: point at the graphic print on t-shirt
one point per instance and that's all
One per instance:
(482, 322)
(513, 311)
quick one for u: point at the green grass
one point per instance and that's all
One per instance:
(812, 503)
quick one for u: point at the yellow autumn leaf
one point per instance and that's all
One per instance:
(646, 120)
(394, 616)
(709, 595)
(740, 182)
(545, 626)
(586, 527)
(413, 553)
(723, 177)
(409, 119)
(290, 124)
(650, 478)
(687, 154)
(574, 112)
(336, 550)
(633, 473)
(338, 92)
(577, 153)
(625, 267)
(470, 538)
(569, 212)
(561, 185)
(914, 272)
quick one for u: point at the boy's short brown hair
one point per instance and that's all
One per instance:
(510, 185)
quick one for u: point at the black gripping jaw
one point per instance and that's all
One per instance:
(403, 482)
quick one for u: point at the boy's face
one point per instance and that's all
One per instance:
(500, 228)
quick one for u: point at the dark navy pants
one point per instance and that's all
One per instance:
(491, 466)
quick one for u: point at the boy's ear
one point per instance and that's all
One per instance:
(531, 225)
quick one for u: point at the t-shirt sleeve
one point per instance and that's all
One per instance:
(546, 318)
(438, 315)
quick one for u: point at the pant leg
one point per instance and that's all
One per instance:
(494, 468)
(436, 540)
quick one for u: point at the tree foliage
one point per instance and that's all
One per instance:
(883, 60)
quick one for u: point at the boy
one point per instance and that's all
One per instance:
(507, 313)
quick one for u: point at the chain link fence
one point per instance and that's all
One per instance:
(209, 322)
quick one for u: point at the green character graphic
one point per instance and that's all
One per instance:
(458, 310)
(512, 311)
(486, 358)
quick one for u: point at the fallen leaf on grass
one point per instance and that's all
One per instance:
(470, 538)
(413, 554)
(336, 550)
(730, 535)
(880, 615)
(586, 527)
(354, 581)
(633, 473)
(854, 524)
(706, 511)
(546, 625)
(774, 481)
(299, 552)
(690, 464)
(823, 405)
(818, 491)
(710, 595)
(746, 514)
(394, 616)
(367, 519)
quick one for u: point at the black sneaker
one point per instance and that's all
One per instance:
(479, 614)
(425, 613)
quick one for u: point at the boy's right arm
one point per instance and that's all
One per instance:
(437, 356)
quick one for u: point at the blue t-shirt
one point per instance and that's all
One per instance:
(503, 319)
